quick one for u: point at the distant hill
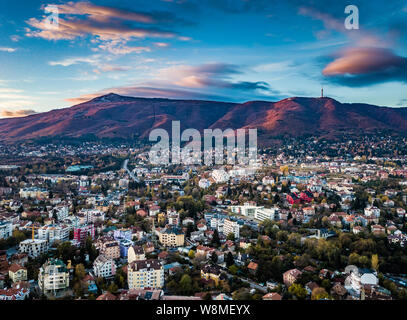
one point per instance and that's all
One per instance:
(115, 116)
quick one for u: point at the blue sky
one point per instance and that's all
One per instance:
(230, 50)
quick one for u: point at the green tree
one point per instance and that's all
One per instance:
(298, 290)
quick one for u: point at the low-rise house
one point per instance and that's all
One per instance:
(17, 273)
(291, 276)
(211, 272)
(272, 296)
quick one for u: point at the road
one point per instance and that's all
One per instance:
(252, 284)
(131, 174)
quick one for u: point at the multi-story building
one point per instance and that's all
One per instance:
(34, 248)
(82, 232)
(230, 226)
(54, 233)
(109, 247)
(60, 212)
(6, 229)
(104, 267)
(53, 276)
(92, 215)
(145, 274)
(171, 237)
(33, 193)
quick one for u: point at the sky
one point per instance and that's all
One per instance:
(55, 54)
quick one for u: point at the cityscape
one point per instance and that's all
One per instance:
(179, 150)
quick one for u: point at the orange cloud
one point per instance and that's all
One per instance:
(16, 113)
(356, 61)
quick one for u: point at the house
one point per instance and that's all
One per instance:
(372, 211)
(291, 276)
(272, 296)
(293, 198)
(17, 273)
(306, 196)
(108, 247)
(359, 277)
(90, 282)
(310, 286)
(252, 266)
(211, 272)
(171, 237)
(107, 296)
(338, 291)
(135, 253)
(15, 293)
(378, 230)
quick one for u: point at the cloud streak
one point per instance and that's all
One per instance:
(366, 66)
(110, 26)
(16, 113)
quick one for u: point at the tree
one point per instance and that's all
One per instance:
(215, 239)
(191, 254)
(298, 290)
(230, 261)
(80, 271)
(319, 293)
(375, 262)
(231, 236)
(185, 284)
(113, 288)
(214, 257)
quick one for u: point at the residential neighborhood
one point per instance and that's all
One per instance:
(304, 222)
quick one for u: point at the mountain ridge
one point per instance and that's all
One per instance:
(116, 116)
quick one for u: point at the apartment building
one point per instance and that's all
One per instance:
(171, 237)
(230, 226)
(34, 248)
(145, 274)
(104, 267)
(6, 229)
(109, 247)
(54, 233)
(53, 276)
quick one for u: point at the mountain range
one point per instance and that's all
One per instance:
(115, 116)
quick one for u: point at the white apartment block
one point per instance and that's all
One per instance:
(104, 267)
(265, 213)
(250, 209)
(230, 226)
(92, 215)
(53, 276)
(33, 192)
(54, 233)
(6, 229)
(145, 274)
(34, 248)
(62, 212)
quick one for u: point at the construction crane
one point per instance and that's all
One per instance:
(33, 230)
